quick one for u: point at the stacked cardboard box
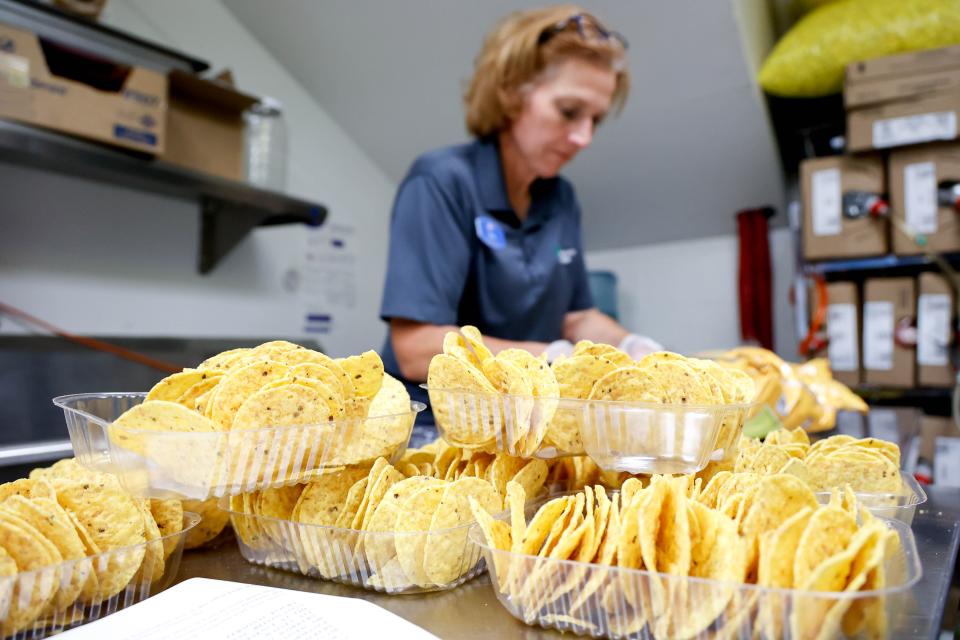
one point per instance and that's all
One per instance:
(899, 336)
(902, 100)
(828, 231)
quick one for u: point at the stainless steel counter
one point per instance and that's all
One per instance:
(472, 610)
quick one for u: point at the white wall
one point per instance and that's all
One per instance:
(104, 261)
(684, 294)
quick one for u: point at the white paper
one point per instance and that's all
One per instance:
(892, 132)
(933, 329)
(215, 609)
(883, 425)
(946, 462)
(878, 335)
(842, 333)
(920, 196)
(329, 276)
(825, 193)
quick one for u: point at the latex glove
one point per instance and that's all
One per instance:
(637, 346)
(558, 348)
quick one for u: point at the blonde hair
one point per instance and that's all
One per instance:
(513, 56)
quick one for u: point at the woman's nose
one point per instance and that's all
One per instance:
(582, 133)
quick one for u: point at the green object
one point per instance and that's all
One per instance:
(762, 424)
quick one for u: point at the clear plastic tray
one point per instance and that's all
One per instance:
(366, 559)
(22, 614)
(895, 506)
(200, 465)
(620, 436)
(604, 601)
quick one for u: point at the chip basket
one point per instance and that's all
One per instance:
(634, 437)
(612, 602)
(200, 465)
(122, 579)
(385, 561)
(895, 506)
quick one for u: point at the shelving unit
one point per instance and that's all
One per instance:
(228, 210)
(889, 264)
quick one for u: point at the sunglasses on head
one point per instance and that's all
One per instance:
(586, 26)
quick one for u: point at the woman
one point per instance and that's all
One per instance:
(487, 233)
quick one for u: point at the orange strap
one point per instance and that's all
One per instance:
(92, 343)
(814, 341)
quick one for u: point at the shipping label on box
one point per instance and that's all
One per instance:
(920, 196)
(826, 232)
(914, 175)
(888, 302)
(878, 324)
(842, 332)
(16, 99)
(826, 202)
(935, 305)
(913, 129)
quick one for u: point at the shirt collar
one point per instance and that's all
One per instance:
(489, 170)
(493, 190)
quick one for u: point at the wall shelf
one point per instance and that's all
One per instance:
(869, 266)
(50, 21)
(228, 210)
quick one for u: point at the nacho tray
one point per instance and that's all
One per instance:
(895, 506)
(635, 437)
(20, 594)
(201, 465)
(366, 559)
(612, 602)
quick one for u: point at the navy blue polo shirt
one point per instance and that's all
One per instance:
(460, 255)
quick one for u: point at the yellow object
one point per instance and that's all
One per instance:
(809, 60)
(802, 395)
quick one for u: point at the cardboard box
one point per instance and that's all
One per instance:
(863, 94)
(205, 128)
(843, 332)
(915, 120)
(46, 84)
(887, 302)
(935, 305)
(932, 427)
(826, 232)
(906, 63)
(914, 174)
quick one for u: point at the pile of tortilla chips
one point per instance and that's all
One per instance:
(744, 529)
(389, 528)
(265, 416)
(801, 394)
(513, 401)
(72, 538)
(868, 465)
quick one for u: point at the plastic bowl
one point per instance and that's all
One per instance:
(611, 602)
(20, 619)
(201, 465)
(366, 559)
(895, 506)
(620, 436)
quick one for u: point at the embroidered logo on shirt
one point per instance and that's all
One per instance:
(566, 256)
(490, 232)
